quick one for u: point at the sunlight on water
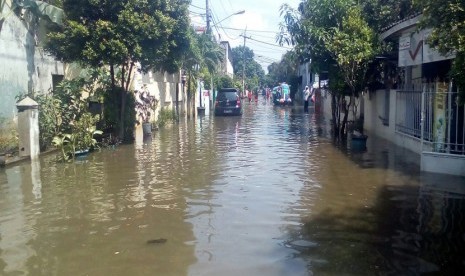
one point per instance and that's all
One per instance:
(267, 193)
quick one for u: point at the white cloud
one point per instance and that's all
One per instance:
(261, 15)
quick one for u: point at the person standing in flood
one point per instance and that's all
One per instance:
(306, 98)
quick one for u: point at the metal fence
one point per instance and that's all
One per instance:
(408, 113)
(443, 119)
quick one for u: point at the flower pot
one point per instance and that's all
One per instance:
(201, 110)
(359, 142)
(147, 128)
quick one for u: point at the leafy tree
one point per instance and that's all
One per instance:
(381, 14)
(243, 60)
(120, 35)
(446, 19)
(284, 71)
(337, 38)
(201, 59)
(224, 82)
(353, 46)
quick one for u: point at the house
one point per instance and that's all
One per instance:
(417, 107)
(226, 66)
(164, 87)
(24, 65)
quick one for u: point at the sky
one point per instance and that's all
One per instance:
(261, 20)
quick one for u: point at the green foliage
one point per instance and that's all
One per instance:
(381, 13)
(243, 60)
(446, 18)
(8, 136)
(352, 45)
(458, 75)
(447, 21)
(166, 115)
(81, 137)
(84, 130)
(336, 37)
(62, 110)
(121, 34)
(224, 82)
(284, 70)
(50, 118)
(66, 144)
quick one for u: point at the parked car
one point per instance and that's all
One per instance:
(228, 102)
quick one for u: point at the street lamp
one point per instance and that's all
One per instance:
(236, 13)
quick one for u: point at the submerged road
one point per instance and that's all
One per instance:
(267, 193)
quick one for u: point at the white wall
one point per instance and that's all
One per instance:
(162, 85)
(24, 66)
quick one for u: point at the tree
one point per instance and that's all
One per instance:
(379, 14)
(201, 59)
(243, 59)
(337, 38)
(284, 71)
(352, 45)
(446, 19)
(120, 35)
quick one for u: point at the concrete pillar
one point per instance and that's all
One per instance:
(28, 128)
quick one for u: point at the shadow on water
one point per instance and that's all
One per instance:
(410, 230)
(415, 224)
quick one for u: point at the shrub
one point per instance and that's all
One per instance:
(166, 115)
(8, 136)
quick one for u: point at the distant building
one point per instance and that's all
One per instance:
(226, 66)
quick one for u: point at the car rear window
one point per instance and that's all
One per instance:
(229, 95)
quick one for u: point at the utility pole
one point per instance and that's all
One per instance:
(243, 63)
(207, 15)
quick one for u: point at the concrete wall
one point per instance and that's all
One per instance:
(24, 66)
(163, 86)
(374, 105)
(373, 109)
(443, 163)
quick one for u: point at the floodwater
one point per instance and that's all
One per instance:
(267, 193)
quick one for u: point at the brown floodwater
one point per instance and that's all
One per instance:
(267, 193)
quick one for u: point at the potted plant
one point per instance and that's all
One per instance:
(145, 106)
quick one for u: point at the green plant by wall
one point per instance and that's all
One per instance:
(50, 121)
(165, 116)
(8, 136)
(82, 137)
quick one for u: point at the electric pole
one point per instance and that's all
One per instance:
(207, 15)
(243, 63)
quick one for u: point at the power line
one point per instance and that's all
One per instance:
(258, 31)
(265, 47)
(197, 13)
(271, 44)
(197, 7)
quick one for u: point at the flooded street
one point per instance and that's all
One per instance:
(267, 193)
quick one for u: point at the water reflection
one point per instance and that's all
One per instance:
(267, 193)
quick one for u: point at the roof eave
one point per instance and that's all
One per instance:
(400, 27)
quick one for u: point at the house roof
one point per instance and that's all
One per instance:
(401, 25)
